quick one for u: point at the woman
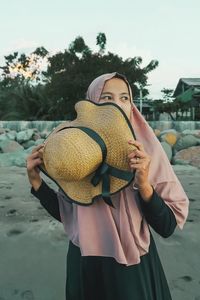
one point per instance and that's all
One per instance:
(117, 258)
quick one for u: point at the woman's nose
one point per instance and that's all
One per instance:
(118, 102)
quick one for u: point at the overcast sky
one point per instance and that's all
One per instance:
(164, 30)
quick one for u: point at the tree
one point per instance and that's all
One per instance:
(79, 46)
(25, 102)
(65, 80)
(19, 68)
(70, 72)
(21, 91)
(166, 104)
(101, 42)
(167, 94)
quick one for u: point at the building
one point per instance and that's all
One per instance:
(187, 93)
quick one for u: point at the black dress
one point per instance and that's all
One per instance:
(102, 278)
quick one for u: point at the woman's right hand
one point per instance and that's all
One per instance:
(32, 161)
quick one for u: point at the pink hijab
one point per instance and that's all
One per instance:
(122, 232)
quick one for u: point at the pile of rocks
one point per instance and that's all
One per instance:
(15, 146)
(181, 148)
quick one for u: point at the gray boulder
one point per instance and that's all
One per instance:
(25, 135)
(168, 150)
(195, 132)
(10, 146)
(188, 156)
(44, 134)
(186, 142)
(36, 136)
(17, 158)
(2, 130)
(28, 144)
(3, 137)
(39, 141)
(11, 135)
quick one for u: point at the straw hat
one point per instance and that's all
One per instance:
(88, 157)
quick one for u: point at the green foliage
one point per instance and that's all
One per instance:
(25, 103)
(79, 46)
(41, 51)
(101, 42)
(66, 79)
(70, 73)
(167, 94)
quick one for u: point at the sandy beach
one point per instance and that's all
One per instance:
(33, 245)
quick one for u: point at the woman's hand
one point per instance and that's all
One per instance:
(140, 161)
(32, 161)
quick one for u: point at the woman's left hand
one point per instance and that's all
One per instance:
(139, 161)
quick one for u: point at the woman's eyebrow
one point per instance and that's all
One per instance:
(112, 93)
(106, 93)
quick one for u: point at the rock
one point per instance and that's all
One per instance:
(169, 131)
(188, 156)
(11, 135)
(168, 150)
(25, 135)
(179, 161)
(10, 146)
(3, 137)
(186, 142)
(28, 144)
(2, 130)
(157, 132)
(36, 136)
(20, 160)
(170, 137)
(17, 158)
(39, 141)
(184, 168)
(196, 132)
(44, 134)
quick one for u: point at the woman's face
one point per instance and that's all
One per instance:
(116, 91)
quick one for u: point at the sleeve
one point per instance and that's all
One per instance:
(48, 199)
(159, 215)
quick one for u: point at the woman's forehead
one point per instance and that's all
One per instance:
(116, 84)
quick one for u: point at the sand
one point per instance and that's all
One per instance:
(33, 246)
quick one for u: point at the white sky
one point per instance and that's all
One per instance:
(164, 30)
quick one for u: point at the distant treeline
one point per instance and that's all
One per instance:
(40, 86)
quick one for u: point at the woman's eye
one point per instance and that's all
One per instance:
(125, 98)
(106, 98)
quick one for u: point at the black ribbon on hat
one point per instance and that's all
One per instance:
(104, 171)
